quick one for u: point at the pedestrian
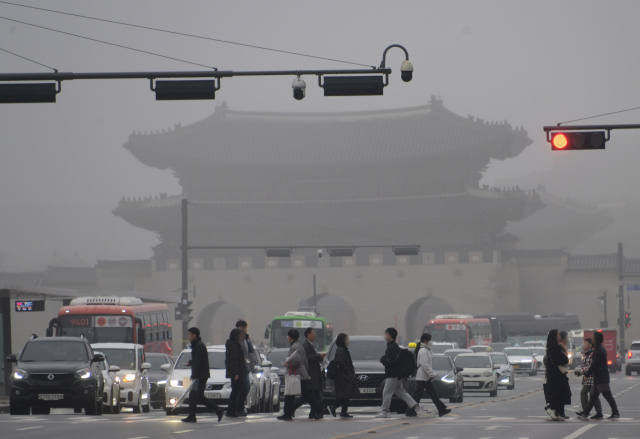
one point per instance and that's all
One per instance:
(587, 382)
(314, 384)
(599, 370)
(250, 364)
(558, 391)
(199, 375)
(344, 381)
(394, 379)
(297, 360)
(425, 375)
(236, 371)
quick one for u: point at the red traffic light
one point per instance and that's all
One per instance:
(559, 141)
(578, 140)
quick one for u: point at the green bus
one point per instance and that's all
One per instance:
(277, 330)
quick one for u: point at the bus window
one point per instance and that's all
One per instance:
(154, 326)
(147, 326)
(162, 326)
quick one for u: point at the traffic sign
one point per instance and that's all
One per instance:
(633, 287)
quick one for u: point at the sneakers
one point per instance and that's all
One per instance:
(552, 413)
(583, 415)
(615, 415)
(597, 416)
(220, 414)
(345, 415)
(580, 414)
(382, 415)
(285, 418)
(444, 412)
(189, 419)
(332, 409)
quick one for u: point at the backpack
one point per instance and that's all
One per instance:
(407, 363)
(332, 370)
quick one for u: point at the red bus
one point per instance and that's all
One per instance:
(462, 329)
(112, 319)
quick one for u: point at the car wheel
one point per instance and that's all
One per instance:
(40, 410)
(461, 397)
(627, 371)
(493, 394)
(512, 386)
(18, 409)
(91, 409)
(138, 407)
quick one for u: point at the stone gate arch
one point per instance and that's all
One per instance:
(216, 321)
(421, 311)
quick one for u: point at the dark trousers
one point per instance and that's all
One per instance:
(196, 396)
(237, 388)
(421, 386)
(344, 403)
(584, 399)
(301, 400)
(308, 395)
(606, 395)
(242, 396)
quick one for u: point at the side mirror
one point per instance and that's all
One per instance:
(145, 366)
(266, 363)
(97, 358)
(12, 358)
(459, 369)
(274, 370)
(166, 367)
(496, 366)
(114, 369)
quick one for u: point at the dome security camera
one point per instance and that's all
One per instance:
(320, 252)
(406, 71)
(299, 87)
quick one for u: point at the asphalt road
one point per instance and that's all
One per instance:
(512, 414)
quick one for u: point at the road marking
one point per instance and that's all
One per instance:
(493, 427)
(182, 431)
(29, 428)
(579, 431)
(141, 437)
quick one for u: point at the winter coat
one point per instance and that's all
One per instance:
(558, 389)
(247, 349)
(586, 364)
(599, 368)
(390, 360)
(345, 383)
(298, 359)
(234, 360)
(425, 361)
(313, 369)
(199, 360)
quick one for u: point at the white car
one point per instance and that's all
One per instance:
(506, 377)
(111, 396)
(633, 358)
(479, 373)
(522, 360)
(440, 347)
(133, 374)
(534, 344)
(218, 386)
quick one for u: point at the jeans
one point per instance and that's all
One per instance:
(242, 395)
(594, 397)
(391, 386)
(196, 395)
(421, 386)
(584, 400)
(237, 388)
(309, 395)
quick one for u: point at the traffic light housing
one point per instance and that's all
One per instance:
(186, 312)
(627, 320)
(577, 141)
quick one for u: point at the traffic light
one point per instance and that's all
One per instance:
(186, 312)
(578, 140)
(627, 320)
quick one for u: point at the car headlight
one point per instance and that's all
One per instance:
(487, 374)
(117, 379)
(129, 377)
(20, 374)
(448, 378)
(162, 382)
(259, 375)
(175, 383)
(82, 374)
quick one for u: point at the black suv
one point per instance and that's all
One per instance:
(59, 372)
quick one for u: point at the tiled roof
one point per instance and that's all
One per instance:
(248, 138)
(22, 278)
(71, 275)
(125, 264)
(602, 262)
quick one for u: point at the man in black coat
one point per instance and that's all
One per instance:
(599, 370)
(314, 383)
(199, 375)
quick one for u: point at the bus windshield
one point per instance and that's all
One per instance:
(440, 334)
(97, 329)
(280, 328)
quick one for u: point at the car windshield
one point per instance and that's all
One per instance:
(123, 358)
(479, 362)
(55, 351)
(541, 352)
(277, 358)
(499, 359)
(454, 353)
(442, 364)
(216, 360)
(517, 352)
(156, 361)
(367, 349)
(440, 348)
(635, 347)
(479, 348)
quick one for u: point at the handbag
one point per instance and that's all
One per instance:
(292, 383)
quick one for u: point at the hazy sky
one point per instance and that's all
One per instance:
(533, 63)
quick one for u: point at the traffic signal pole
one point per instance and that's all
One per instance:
(621, 319)
(185, 274)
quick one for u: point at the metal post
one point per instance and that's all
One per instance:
(621, 294)
(185, 272)
(315, 301)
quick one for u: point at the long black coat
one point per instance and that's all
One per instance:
(313, 368)
(234, 360)
(599, 368)
(345, 384)
(557, 382)
(199, 360)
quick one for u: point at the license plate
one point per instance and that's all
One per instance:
(515, 366)
(368, 390)
(213, 395)
(51, 396)
(472, 384)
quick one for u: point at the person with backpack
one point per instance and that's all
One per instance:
(395, 372)
(599, 370)
(587, 382)
(343, 374)
(425, 375)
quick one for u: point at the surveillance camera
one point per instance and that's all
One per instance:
(320, 252)
(406, 71)
(299, 87)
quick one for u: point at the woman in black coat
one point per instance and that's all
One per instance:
(236, 369)
(344, 382)
(558, 392)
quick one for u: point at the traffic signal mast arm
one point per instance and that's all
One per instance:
(582, 137)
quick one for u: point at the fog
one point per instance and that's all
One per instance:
(63, 167)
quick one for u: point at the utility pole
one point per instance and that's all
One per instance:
(621, 319)
(184, 304)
